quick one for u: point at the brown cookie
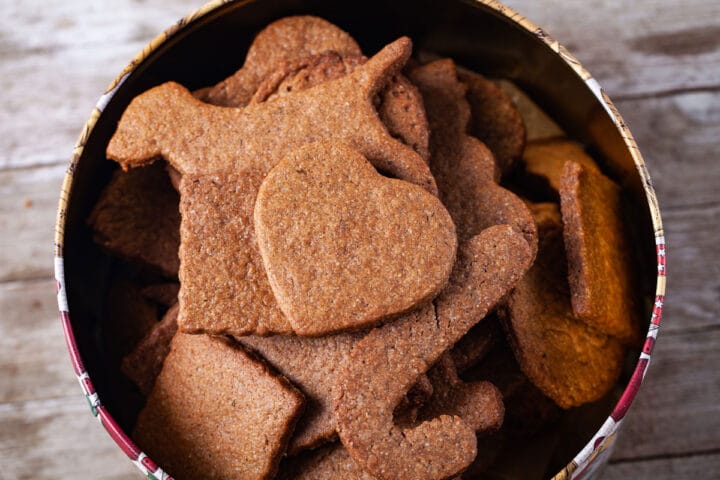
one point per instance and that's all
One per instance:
(332, 462)
(598, 254)
(476, 344)
(143, 364)
(562, 356)
(538, 124)
(399, 104)
(282, 41)
(224, 287)
(196, 137)
(479, 404)
(137, 218)
(389, 360)
(164, 294)
(311, 364)
(406, 412)
(215, 412)
(345, 247)
(495, 120)
(463, 167)
(544, 160)
(127, 318)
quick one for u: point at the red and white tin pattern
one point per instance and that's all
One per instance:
(586, 464)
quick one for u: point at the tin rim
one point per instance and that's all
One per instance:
(602, 440)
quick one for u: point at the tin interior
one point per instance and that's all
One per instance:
(212, 48)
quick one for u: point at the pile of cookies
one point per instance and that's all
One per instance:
(348, 287)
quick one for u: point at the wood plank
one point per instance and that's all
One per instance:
(647, 46)
(693, 296)
(28, 202)
(65, 54)
(677, 410)
(678, 137)
(34, 363)
(58, 438)
(693, 466)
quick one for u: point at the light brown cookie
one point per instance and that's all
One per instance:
(479, 404)
(196, 137)
(399, 104)
(599, 259)
(143, 364)
(562, 356)
(463, 166)
(137, 218)
(224, 287)
(495, 120)
(544, 160)
(346, 248)
(389, 360)
(164, 294)
(215, 412)
(282, 41)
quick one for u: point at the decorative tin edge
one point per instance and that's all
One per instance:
(602, 443)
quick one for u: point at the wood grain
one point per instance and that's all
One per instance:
(692, 466)
(636, 49)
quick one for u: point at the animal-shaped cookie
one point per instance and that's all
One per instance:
(282, 41)
(386, 363)
(600, 265)
(195, 137)
(463, 166)
(343, 246)
(563, 357)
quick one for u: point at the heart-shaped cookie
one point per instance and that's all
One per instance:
(345, 247)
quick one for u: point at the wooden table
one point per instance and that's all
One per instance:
(658, 59)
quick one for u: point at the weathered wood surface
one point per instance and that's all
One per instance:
(660, 60)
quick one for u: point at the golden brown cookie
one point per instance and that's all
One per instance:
(495, 120)
(562, 356)
(600, 265)
(282, 41)
(215, 412)
(224, 288)
(143, 364)
(137, 218)
(399, 104)
(196, 137)
(463, 166)
(544, 160)
(389, 360)
(346, 248)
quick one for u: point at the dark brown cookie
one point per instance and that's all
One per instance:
(544, 160)
(215, 412)
(283, 41)
(390, 359)
(562, 356)
(495, 120)
(137, 218)
(479, 404)
(332, 462)
(599, 257)
(344, 247)
(463, 166)
(399, 104)
(196, 137)
(143, 364)
(476, 344)
(164, 294)
(224, 287)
